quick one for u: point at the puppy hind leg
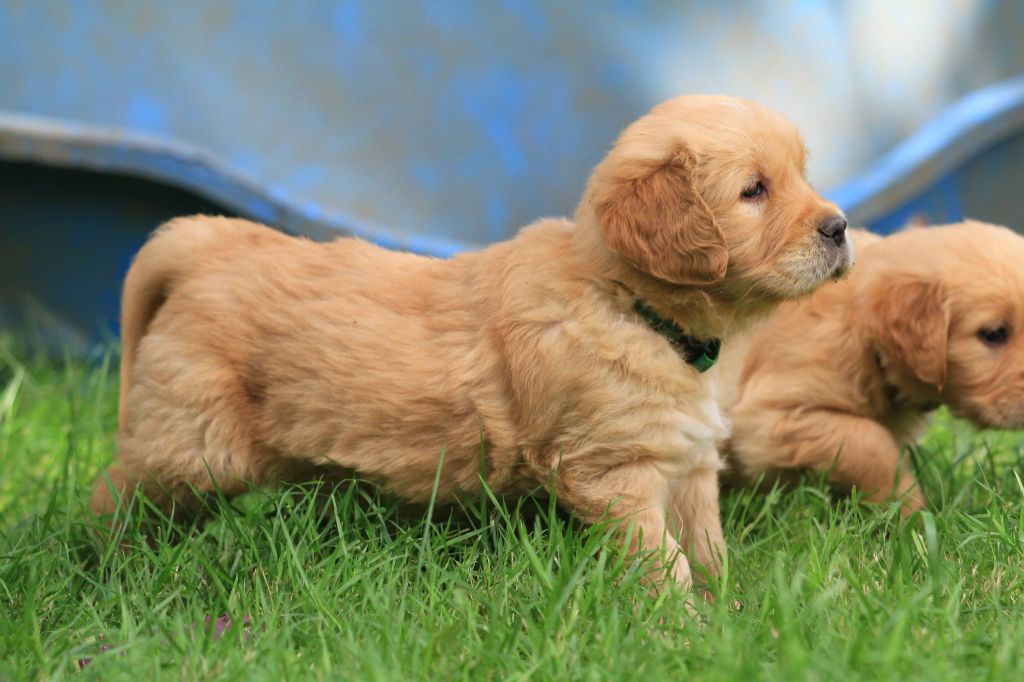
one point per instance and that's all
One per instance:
(179, 456)
(114, 489)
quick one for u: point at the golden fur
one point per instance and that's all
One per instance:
(839, 381)
(251, 356)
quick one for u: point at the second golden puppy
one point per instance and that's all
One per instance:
(839, 381)
(568, 358)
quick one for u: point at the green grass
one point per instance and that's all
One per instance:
(345, 587)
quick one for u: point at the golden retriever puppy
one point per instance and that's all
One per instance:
(837, 382)
(567, 359)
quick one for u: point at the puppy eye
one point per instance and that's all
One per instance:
(996, 336)
(753, 191)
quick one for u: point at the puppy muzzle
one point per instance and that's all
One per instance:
(834, 230)
(838, 250)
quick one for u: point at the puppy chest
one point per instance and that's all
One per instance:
(694, 436)
(680, 435)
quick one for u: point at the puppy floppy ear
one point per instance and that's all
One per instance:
(651, 214)
(910, 322)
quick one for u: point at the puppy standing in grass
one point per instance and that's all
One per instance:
(839, 381)
(573, 352)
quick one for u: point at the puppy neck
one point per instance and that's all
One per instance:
(695, 309)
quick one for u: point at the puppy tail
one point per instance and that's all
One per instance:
(169, 254)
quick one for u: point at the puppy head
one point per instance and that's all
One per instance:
(712, 191)
(952, 323)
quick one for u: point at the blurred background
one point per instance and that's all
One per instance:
(441, 126)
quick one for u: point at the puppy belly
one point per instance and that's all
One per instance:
(411, 472)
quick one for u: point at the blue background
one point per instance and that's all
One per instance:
(441, 126)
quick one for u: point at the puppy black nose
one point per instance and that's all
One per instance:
(834, 228)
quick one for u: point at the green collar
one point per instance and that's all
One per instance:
(701, 353)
